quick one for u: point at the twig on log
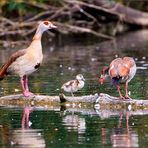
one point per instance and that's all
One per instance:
(39, 15)
(5, 20)
(58, 12)
(89, 16)
(90, 6)
(38, 5)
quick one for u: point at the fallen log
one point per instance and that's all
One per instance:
(47, 101)
(124, 13)
(99, 102)
(106, 101)
(127, 14)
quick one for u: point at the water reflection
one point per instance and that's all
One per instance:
(75, 123)
(4, 134)
(124, 137)
(86, 127)
(74, 126)
(27, 137)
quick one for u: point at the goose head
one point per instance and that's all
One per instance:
(46, 25)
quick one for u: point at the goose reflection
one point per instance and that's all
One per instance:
(124, 137)
(25, 117)
(27, 137)
(75, 124)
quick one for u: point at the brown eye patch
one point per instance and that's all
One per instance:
(46, 22)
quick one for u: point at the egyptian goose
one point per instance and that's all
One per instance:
(120, 70)
(26, 61)
(74, 85)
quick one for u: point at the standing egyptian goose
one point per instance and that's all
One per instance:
(74, 85)
(120, 70)
(26, 61)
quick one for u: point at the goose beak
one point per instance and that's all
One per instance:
(101, 80)
(52, 26)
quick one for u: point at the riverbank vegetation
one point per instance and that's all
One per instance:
(104, 19)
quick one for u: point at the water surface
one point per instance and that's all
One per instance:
(40, 127)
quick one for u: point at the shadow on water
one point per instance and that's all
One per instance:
(32, 127)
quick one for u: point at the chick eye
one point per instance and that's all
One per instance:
(46, 23)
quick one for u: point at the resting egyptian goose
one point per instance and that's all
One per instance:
(28, 60)
(74, 85)
(120, 70)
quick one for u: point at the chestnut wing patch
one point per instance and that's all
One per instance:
(3, 70)
(113, 73)
(70, 83)
(124, 71)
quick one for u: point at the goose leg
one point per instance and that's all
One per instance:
(24, 84)
(126, 91)
(25, 118)
(72, 94)
(120, 120)
(118, 89)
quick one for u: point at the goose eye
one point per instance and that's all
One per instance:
(46, 23)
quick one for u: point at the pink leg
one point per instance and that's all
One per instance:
(24, 84)
(118, 89)
(25, 118)
(126, 91)
(27, 112)
(23, 121)
(127, 120)
(120, 120)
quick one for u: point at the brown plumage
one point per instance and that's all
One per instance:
(13, 57)
(120, 70)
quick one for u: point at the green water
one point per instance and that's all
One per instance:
(84, 127)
